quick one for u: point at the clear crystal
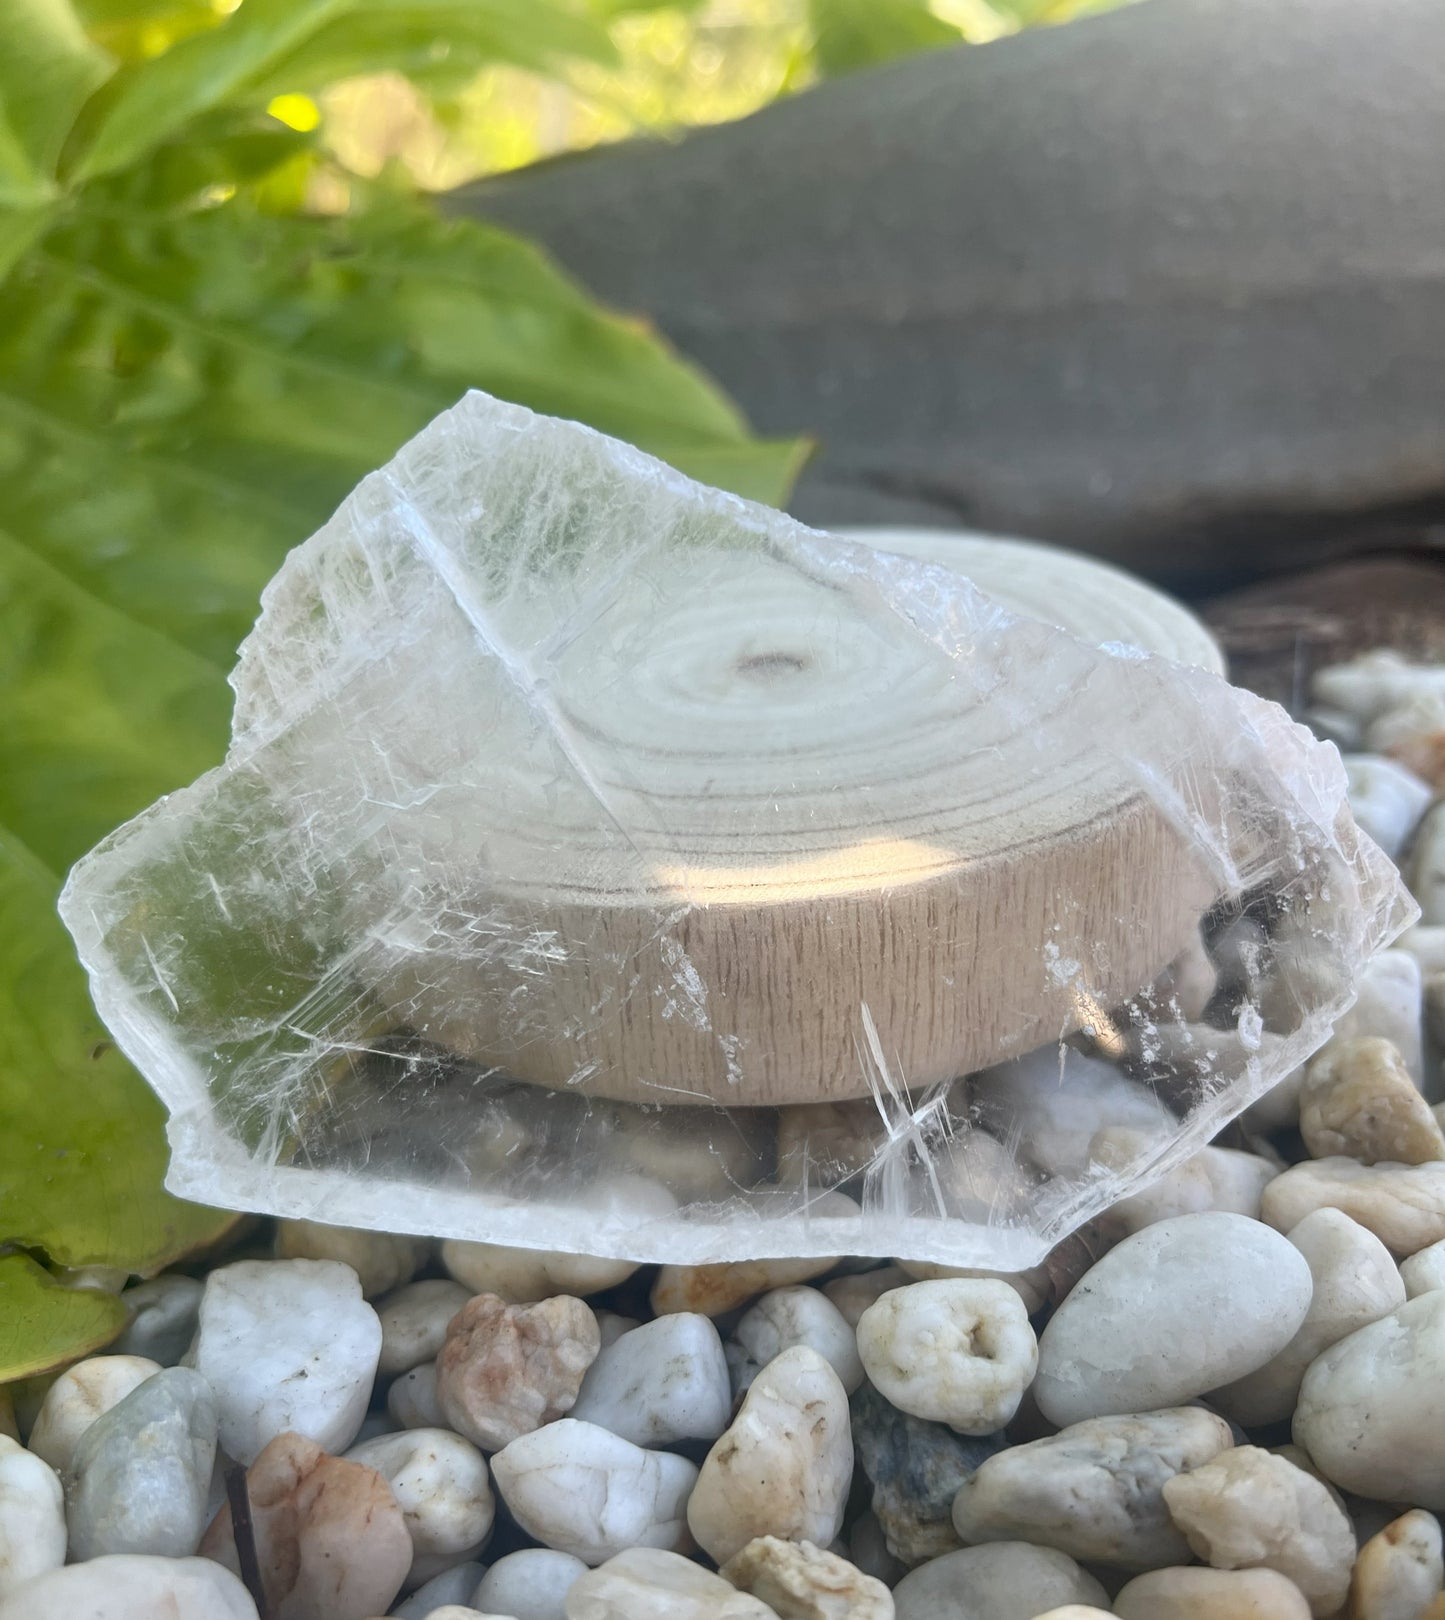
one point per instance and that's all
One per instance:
(605, 863)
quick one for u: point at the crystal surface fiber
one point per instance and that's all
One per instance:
(604, 863)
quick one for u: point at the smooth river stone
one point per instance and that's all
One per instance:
(1371, 1410)
(78, 1397)
(1250, 1509)
(505, 1370)
(1424, 1271)
(1399, 1570)
(1402, 1204)
(453, 1586)
(414, 1322)
(523, 1276)
(331, 1542)
(784, 1465)
(442, 1487)
(132, 1587)
(141, 1475)
(798, 1581)
(1355, 1283)
(163, 1315)
(916, 1469)
(664, 1381)
(795, 1315)
(1008, 1580)
(644, 1583)
(531, 1584)
(382, 1261)
(1177, 1309)
(1211, 1594)
(957, 1350)
(288, 1347)
(32, 1516)
(586, 1491)
(1094, 1490)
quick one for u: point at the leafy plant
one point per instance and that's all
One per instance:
(851, 34)
(193, 372)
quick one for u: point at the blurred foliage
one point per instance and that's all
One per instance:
(674, 67)
(224, 297)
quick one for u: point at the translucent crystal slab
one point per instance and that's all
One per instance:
(604, 863)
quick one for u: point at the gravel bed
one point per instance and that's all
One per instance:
(1224, 1400)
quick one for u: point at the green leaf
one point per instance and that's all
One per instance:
(438, 43)
(148, 101)
(47, 69)
(182, 399)
(853, 34)
(83, 1152)
(43, 1324)
(267, 47)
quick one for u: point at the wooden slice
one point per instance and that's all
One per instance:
(1090, 599)
(776, 805)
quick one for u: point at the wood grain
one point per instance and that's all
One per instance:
(808, 810)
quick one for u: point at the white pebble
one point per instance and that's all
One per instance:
(531, 1584)
(1008, 1580)
(507, 1369)
(412, 1400)
(663, 1382)
(797, 1315)
(442, 1487)
(646, 1584)
(1249, 1509)
(1402, 1204)
(414, 1323)
(77, 1398)
(1369, 1413)
(1359, 1100)
(852, 1295)
(455, 1585)
(1094, 1490)
(1427, 867)
(1399, 1571)
(32, 1517)
(288, 1346)
(1388, 1006)
(958, 1351)
(715, 1290)
(1387, 799)
(1179, 1308)
(459, 1611)
(1077, 1611)
(1211, 1594)
(611, 1326)
(141, 1473)
(583, 1490)
(1034, 1286)
(1057, 1100)
(1424, 1271)
(1414, 733)
(331, 1542)
(798, 1581)
(1426, 943)
(523, 1276)
(132, 1587)
(1375, 682)
(1213, 1178)
(1355, 1282)
(163, 1315)
(783, 1467)
(381, 1260)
